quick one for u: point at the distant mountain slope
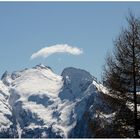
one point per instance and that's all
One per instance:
(37, 103)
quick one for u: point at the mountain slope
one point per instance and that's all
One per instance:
(38, 103)
(6, 119)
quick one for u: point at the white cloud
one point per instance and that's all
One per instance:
(59, 48)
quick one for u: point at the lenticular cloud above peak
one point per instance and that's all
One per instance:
(59, 48)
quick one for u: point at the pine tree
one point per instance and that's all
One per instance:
(122, 69)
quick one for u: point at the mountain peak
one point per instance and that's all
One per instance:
(76, 73)
(42, 66)
(4, 74)
(6, 78)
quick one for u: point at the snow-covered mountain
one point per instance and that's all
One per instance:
(37, 103)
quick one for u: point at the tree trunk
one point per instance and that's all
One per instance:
(135, 95)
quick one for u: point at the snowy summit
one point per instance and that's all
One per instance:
(37, 103)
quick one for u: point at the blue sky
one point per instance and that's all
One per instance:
(26, 27)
